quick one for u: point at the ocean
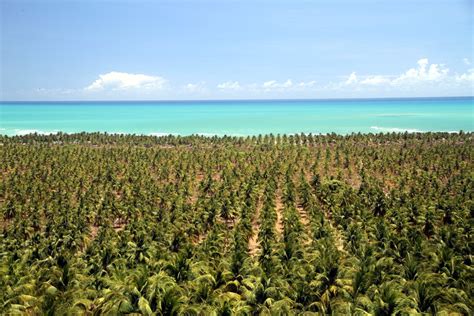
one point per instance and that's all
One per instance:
(239, 118)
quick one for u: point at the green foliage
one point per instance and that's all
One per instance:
(275, 225)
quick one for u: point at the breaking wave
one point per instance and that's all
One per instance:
(396, 129)
(21, 132)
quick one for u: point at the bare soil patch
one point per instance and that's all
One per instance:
(253, 240)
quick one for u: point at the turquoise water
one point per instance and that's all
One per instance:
(239, 117)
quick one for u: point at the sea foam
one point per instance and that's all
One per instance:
(396, 129)
(21, 132)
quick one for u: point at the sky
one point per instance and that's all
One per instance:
(210, 49)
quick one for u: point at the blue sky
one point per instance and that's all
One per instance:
(94, 50)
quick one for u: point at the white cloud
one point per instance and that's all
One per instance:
(123, 81)
(268, 86)
(424, 72)
(192, 87)
(273, 84)
(55, 91)
(375, 80)
(466, 61)
(466, 77)
(352, 79)
(309, 84)
(229, 85)
(197, 87)
(424, 78)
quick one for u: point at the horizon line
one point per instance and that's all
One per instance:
(237, 100)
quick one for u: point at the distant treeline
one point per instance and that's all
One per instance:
(302, 139)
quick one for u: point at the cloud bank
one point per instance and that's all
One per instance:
(124, 81)
(424, 73)
(229, 85)
(195, 88)
(423, 79)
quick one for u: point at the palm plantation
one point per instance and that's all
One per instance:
(264, 225)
